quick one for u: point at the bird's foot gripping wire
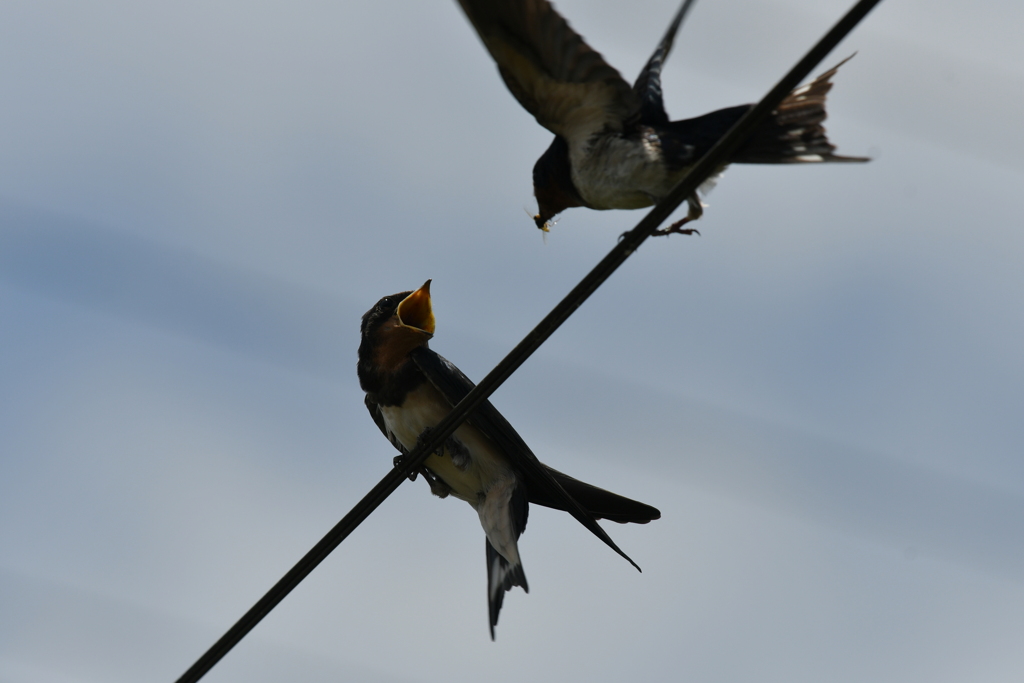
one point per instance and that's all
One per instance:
(695, 210)
(437, 486)
(674, 229)
(400, 460)
(422, 439)
(677, 229)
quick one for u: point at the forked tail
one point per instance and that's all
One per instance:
(501, 577)
(793, 133)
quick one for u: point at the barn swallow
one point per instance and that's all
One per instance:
(614, 146)
(409, 389)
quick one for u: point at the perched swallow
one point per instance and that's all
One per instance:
(409, 389)
(614, 145)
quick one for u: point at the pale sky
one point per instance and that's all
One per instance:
(823, 393)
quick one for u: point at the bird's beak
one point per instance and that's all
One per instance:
(415, 310)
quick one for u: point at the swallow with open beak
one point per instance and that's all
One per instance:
(614, 146)
(409, 389)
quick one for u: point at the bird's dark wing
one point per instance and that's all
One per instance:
(555, 75)
(648, 83)
(600, 503)
(450, 381)
(378, 419)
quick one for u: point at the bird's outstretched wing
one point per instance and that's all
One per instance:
(648, 83)
(454, 385)
(555, 75)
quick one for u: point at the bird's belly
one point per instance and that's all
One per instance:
(473, 469)
(621, 173)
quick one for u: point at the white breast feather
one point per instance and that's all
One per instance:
(424, 408)
(487, 483)
(613, 172)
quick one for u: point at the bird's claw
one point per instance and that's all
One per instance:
(677, 229)
(437, 487)
(424, 435)
(399, 461)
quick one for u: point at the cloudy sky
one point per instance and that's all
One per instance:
(824, 393)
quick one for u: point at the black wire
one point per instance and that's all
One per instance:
(629, 243)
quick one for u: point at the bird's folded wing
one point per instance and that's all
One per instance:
(554, 74)
(378, 419)
(600, 503)
(450, 381)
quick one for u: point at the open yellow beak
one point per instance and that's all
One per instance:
(415, 310)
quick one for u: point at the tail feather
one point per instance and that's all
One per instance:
(793, 133)
(501, 578)
(598, 502)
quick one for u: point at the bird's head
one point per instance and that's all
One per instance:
(390, 330)
(552, 183)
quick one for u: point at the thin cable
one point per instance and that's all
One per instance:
(629, 243)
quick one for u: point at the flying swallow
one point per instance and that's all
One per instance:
(409, 389)
(614, 146)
